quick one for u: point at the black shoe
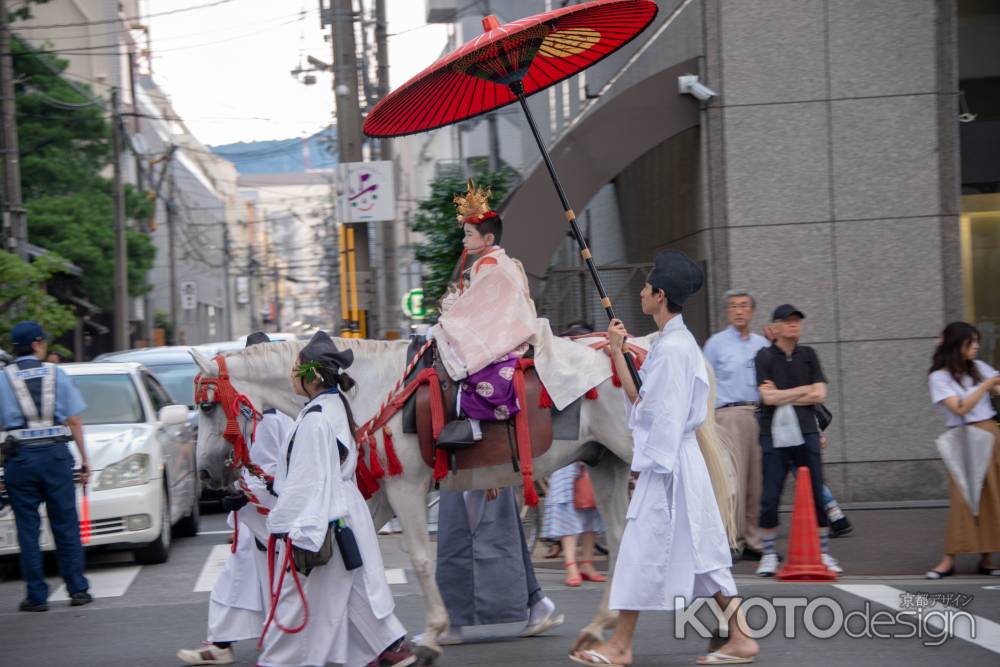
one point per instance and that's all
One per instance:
(80, 598)
(751, 554)
(841, 527)
(28, 605)
(989, 571)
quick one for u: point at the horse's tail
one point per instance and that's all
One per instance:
(715, 459)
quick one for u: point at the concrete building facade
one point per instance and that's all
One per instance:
(828, 171)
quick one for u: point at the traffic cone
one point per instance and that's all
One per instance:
(804, 556)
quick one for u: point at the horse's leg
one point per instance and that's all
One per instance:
(408, 499)
(610, 480)
(380, 509)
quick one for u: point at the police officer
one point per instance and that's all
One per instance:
(39, 408)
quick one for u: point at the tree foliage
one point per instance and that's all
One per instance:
(23, 296)
(435, 220)
(65, 151)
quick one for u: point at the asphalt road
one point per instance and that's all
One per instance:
(144, 614)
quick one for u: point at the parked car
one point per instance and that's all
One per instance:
(143, 464)
(172, 365)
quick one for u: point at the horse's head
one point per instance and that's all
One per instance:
(256, 378)
(213, 450)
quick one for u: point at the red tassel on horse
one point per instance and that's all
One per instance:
(440, 465)
(373, 463)
(544, 400)
(395, 467)
(591, 394)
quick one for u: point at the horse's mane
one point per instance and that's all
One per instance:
(254, 357)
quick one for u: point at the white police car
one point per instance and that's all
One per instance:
(143, 480)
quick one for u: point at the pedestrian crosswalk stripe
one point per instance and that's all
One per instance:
(985, 633)
(216, 561)
(395, 575)
(212, 568)
(110, 583)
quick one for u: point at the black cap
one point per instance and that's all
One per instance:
(257, 337)
(786, 310)
(322, 349)
(677, 275)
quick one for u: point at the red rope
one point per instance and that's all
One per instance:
(522, 427)
(275, 594)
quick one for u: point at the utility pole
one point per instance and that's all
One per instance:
(172, 258)
(349, 139)
(393, 316)
(121, 329)
(14, 217)
(225, 277)
(252, 288)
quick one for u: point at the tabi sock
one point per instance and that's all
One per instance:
(540, 610)
(834, 512)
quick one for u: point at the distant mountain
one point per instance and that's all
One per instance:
(283, 156)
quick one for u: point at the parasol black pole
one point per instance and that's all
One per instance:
(518, 89)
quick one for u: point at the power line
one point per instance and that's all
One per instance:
(170, 38)
(129, 19)
(99, 49)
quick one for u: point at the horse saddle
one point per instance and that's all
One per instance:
(498, 440)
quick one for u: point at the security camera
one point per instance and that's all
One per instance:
(690, 84)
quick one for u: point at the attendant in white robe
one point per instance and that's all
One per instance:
(351, 620)
(675, 546)
(238, 602)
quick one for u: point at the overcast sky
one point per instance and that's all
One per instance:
(227, 68)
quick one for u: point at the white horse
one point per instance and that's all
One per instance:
(262, 373)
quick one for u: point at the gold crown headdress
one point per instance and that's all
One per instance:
(474, 205)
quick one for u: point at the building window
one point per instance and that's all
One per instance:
(980, 242)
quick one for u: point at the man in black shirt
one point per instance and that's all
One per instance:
(789, 374)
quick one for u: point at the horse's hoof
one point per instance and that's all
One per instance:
(426, 656)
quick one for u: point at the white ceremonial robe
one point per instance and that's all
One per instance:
(675, 543)
(351, 618)
(238, 603)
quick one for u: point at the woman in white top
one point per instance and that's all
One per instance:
(961, 385)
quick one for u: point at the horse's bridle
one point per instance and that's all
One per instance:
(212, 391)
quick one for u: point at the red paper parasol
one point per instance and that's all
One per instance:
(534, 52)
(506, 64)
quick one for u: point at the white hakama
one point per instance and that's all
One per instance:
(675, 547)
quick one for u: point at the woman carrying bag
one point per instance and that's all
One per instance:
(961, 385)
(333, 601)
(571, 515)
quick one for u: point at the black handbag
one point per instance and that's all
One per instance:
(823, 416)
(338, 532)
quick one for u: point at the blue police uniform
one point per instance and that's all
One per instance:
(41, 470)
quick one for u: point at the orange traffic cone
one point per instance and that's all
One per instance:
(804, 561)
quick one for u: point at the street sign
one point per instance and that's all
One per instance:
(242, 290)
(413, 304)
(367, 191)
(189, 295)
